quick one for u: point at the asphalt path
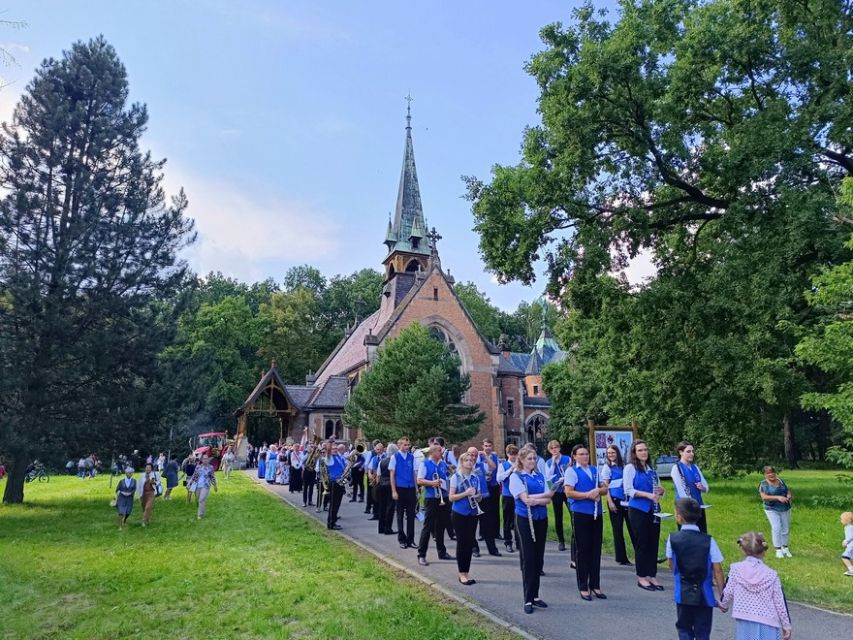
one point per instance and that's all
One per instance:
(628, 613)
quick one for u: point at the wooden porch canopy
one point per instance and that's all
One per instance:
(269, 398)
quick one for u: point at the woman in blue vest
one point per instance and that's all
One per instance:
(505, 469)
(688, 481)
(644, 493)
(556, 466)
(532, 498)
(465, 487)
(612, 473)
(584, 488)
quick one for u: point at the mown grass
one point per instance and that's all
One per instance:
(814, 574)
(254, 568)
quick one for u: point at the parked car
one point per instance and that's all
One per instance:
(664, 465)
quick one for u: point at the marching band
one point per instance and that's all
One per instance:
(503, 498)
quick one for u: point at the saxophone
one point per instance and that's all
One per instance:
(324, 483)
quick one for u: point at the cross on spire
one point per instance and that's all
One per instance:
(434, 237)
(409, 100)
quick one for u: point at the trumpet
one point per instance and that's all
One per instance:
(435, 476)
(473, 501)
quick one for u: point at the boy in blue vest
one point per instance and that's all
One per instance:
(696, 562)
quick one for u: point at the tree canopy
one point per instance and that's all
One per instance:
(414, 389)
(712, 136)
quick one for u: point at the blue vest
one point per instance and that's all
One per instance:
(553, 474)
(691, 477)
(493, 476)
(463, 506)
(430, 469)
(506, 464)
(692, 568)
(585, 483)
(535, 483)
(642, 482)
(619, 492)
(336, 467)
(404, 471)
(373, 465)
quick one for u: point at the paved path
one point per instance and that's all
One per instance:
(629, 613)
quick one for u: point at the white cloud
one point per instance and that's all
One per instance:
(640, 269)
(245, 234)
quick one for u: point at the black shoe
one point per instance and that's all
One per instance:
(352, 500)
(403, 545)
(367, 510)
(528, 607)
(647, 587)
(599, 595)
(412, 545)
(452, 537)
(509, 548)
(337, 527)
(467, 582)
(495, 553)
(499, 537)
(661, 560)
(475, 553)
(539, 603)
(479, 538)
(586, 597)
(627, 563)
(446, 556)
(423, 561)
(361, 499)
(304, 504)
(658, 587)
(561, 546)
(310, 504)
(374, 518)
(541, 572)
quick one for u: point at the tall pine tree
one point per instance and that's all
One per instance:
(88, 263)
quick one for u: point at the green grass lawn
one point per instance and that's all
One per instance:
(814, 574)
(254, 568)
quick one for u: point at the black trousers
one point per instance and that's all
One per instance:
(336, 493)
(508, 507)
(617, 519)
(646, 541)
(559, 502)
(385, 508)
(357, 479)
(588, 533)
(436, 517)
(494, 510)
(309, 477)
(531, 554)
(694, 622)
(464, 526)
(702, 523)
(488, 522)
(406, 504)
(370, 507)
(295, 480)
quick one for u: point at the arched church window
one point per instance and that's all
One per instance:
(441, 335)
(329, 428)
(339, 430)
(413, 266)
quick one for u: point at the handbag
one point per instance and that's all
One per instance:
(113, 502)
(158, 488)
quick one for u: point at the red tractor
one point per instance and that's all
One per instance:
(211, 444)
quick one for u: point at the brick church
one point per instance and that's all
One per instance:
(506, 385)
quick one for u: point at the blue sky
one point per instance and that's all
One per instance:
(284, 121)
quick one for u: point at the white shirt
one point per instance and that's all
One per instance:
(422, 475)
(540, 466)
(628, 475)
(516, 485)
(504, 473)
(716, 555)
(392, 463)
(678, 482)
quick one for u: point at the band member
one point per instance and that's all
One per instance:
(296, 461)
(357, 478)
(505, 469)
(372, 469)
(433, 475)
(403, 492)
(555, 467)
(584, 488)
(309, 474)
(335, 464)
(385, 505)
(493, 512)
(689, 482)
(644, 493)
(450, 460)
(464, 489)
(483, 467)
(532, 498)
(612, 473)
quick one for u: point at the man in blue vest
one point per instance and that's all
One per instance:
(433, 475)
(335, 464)
(403, 492)
(696, 562)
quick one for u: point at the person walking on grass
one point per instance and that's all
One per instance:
(171, 473)
(200, 483)
(847, 543)
(125, 492)
(777, 506)
(754, 593)
(148, 488)
(189, 467)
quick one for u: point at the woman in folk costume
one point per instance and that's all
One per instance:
(282, 467)
(125, 494)
(147, 489)
(272, 461)
(262, 462)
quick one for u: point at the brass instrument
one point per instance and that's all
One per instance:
(311, 460)
(435, 476)
(324, 483)
(473, 501)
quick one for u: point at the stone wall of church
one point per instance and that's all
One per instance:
(435, 304)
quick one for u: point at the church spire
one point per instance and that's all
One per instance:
(408, 228)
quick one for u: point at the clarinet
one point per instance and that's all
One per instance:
(529, 511)
(655, 485)
(685, 487)
(597, 500)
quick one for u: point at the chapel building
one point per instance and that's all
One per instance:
(506, 385)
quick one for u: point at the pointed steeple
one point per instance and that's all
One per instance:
(408, 227)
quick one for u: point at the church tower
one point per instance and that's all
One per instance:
(409, 247)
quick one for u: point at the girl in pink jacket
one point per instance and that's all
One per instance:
(759, 609)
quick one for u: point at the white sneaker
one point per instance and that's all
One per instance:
(786, 552)
(780, 553)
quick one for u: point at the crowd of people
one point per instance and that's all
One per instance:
(476, 496)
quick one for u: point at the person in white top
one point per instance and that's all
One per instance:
(688, 480)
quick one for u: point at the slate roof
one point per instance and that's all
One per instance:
(333, 394)
(536, 401)
(301, 394)
(513, 363)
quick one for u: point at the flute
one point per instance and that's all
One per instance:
(529, 512)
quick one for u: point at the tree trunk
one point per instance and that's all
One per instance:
(14, 493)
(790, 445)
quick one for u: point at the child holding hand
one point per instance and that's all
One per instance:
(847, 554)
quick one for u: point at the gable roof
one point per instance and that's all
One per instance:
(272, 379)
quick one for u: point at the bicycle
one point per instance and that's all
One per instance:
(37, 473)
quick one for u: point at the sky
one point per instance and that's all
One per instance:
(284, 121)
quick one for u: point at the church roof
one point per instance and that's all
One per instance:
(513, 363)
(407, 232)
(270, 381)
(301, 394)
(333, 394)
